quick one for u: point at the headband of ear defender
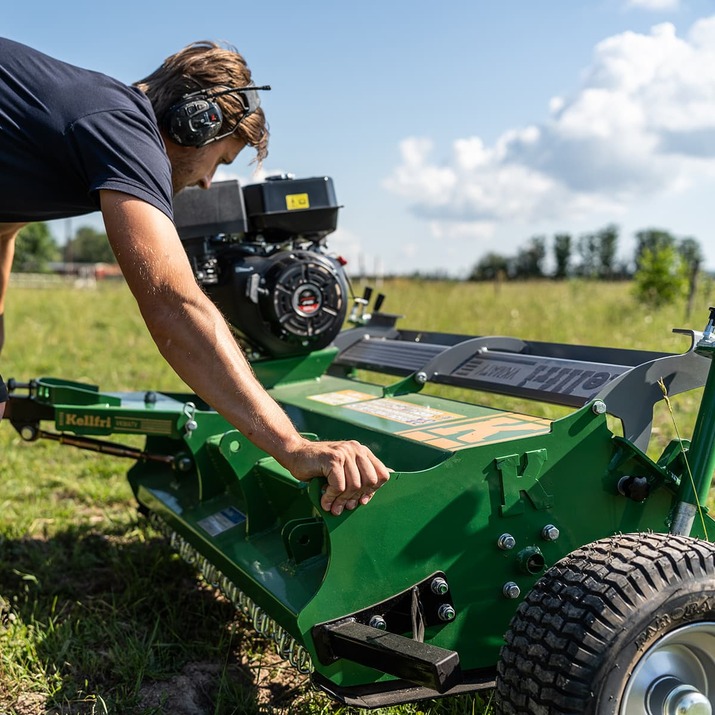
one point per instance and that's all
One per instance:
(196, 119)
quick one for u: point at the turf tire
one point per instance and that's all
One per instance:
(577, 637)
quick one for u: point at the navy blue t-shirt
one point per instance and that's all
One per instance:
(66, 133)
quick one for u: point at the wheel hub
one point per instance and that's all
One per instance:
(668, 696)
(676, 675)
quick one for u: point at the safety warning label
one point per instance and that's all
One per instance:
(221, 521)
(341, 397)
(406, 413)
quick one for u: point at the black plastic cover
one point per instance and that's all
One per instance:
(200, 213)
(280, 208)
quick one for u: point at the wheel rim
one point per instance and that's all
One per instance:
(676, 675)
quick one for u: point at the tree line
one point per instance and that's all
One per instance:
(36, 248)
(592, 255)
(663, 267)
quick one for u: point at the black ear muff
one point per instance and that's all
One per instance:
(193, 121)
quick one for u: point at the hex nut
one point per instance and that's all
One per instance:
(378, 622)
(446, 612)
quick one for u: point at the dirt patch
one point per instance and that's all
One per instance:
(266, 684)
(30, 704)
(191, 692)
(277, 683)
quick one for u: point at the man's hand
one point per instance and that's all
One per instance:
(196, 341)
(353, 472)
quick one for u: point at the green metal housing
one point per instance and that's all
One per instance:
(481, 498)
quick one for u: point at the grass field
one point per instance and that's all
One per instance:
(97, 614)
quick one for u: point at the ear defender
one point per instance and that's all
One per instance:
(193, 121)
(196, 120)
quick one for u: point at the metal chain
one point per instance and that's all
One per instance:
(285, 644)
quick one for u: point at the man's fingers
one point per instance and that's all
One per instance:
(334, 501)
(365, 498)
(353, 474)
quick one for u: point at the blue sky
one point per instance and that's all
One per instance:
(449, 129)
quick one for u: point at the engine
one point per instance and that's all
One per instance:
(259, 253)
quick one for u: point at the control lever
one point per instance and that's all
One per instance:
(357, 314)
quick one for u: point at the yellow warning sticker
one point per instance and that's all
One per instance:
(297, 201)
(494, 428)
(342, 397)
(403, 412)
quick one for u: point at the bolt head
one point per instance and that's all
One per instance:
(599, 407)
(511, 590)
(550, 532)
(506, 542)
(378, 622)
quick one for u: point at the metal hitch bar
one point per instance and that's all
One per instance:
(420, 663)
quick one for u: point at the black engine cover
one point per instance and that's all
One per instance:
(287, 303)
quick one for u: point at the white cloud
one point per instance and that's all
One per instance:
(641, 124)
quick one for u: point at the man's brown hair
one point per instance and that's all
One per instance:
(205, 65)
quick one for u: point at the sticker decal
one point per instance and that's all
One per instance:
(342, 397)
(72, 419)
(297, 201)
(142, 425)
(404, 412)
(494, 428)
(222, 521)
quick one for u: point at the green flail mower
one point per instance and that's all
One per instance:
(551, 559)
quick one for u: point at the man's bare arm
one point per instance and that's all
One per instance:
(195, 340)
(8, 233)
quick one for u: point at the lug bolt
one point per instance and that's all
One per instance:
(550, 533)
(446, 612)
(506, 542)
(511, 590)
(378, 622)
(421, 378)
(439, 586)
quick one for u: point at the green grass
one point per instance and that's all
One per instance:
(97, 614)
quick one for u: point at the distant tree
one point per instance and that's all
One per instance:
(89, 246)
(529, 260)
(597, 251)
(562, 254)
(662, 275)
(587, 247)
(607, 246)
(490, 267)
(692, 255)
(652, 239)
(35, 249)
